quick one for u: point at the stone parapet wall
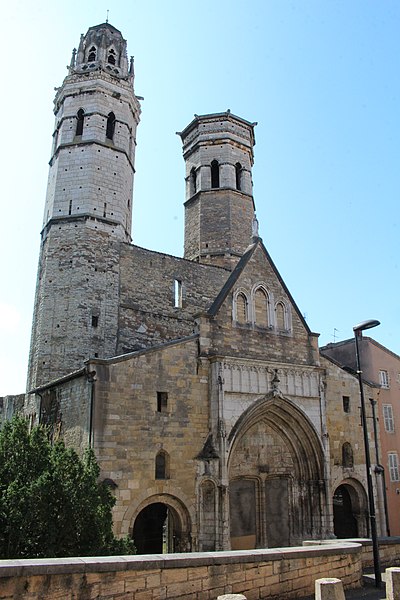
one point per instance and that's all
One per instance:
(195, 576)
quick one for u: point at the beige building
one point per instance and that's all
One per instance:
(381, 367)
(196, 380)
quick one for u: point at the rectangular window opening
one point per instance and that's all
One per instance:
(177, 293)
(384, 379)
(388, 418)
(346, 403)
(393, 466)
(162, 401)
(95, 320)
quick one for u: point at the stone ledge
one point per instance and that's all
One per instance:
(45, 566)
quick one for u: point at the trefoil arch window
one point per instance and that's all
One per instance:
(238, 175)
(110, 126)
(80, 117)
(215, 174)
(162, 465)
(111, 56)
(92, 54)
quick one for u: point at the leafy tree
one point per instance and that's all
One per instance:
(51, 503)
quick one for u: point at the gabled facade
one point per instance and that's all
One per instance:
(196, 380)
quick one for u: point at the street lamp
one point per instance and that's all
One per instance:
(372, 517)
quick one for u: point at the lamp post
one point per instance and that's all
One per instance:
(372, 517)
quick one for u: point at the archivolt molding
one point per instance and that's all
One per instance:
(177, 501)
(284, 417)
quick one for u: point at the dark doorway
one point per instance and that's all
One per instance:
(277, 512)
(344, 521)
(156, 530)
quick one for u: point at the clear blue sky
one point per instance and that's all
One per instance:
(321, 78)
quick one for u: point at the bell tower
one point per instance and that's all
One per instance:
(88, 208)
(219, 207)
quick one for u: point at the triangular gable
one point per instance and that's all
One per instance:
(239, 269)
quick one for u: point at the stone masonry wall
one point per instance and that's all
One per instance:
(267, 574)
(253, 341)
(78, 279)
(147, 313)
(128, 422)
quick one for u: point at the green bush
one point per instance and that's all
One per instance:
(51, 503)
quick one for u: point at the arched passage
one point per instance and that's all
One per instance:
(350, 510)
(161, 526)
(276, 474)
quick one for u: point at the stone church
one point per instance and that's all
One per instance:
(197, 381)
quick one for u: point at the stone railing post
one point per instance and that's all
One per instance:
(329, 588)
(392, 583)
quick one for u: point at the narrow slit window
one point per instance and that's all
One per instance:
(70, 207)
(105, 209)
(162, 401)
(178, 293)
(215, 174)
(161, 466)
(193, 181)
(110, 126)
(95, 321)
(238, 173)
(346, 403)
(80, 117)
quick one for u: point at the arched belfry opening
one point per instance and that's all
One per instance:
(161, 526)
(276, 476)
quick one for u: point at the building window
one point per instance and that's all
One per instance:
(162, 466)
(393, 466)
(388, 418)
(384, 379)
(79, 121)
(95, 321)
(215, 174)
(280, 316)
(162, 401)
(347, 455)
(92, 54)
(242, 315)
(177, 293)
(111, 57)
(238, 173)
(346, 403)
(261, 308)
(193, 181)
(110, 126)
